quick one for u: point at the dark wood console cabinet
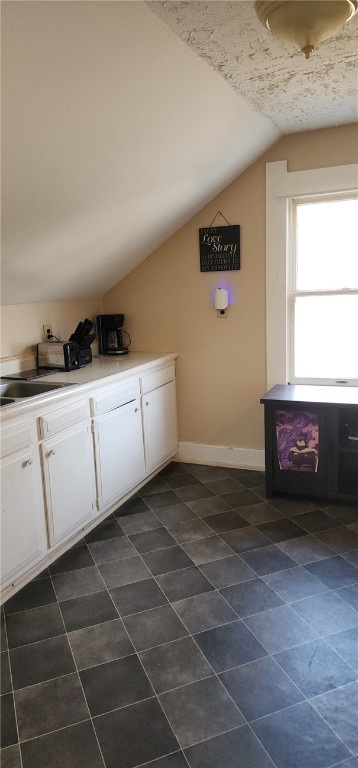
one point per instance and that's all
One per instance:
(311, 441)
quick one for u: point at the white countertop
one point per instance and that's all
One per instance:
(102, 370)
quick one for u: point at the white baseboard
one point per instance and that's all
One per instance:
(221, 455)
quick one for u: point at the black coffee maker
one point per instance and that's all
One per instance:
(112, 339)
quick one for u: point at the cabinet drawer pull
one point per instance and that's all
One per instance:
(136, 410)
(28, 462)
(51, 452)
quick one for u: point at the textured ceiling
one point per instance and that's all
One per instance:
(295, 93)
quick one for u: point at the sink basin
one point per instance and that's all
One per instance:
(18, 390)
(6, 401)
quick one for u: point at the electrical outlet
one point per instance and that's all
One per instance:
(47, 331)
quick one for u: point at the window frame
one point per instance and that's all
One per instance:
(283, 190)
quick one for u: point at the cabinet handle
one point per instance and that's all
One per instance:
(147, 403)
(136, 410)
(28, 462)
(51, 452)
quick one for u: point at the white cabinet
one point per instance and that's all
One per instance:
(118, 442)
(23, 530)
(68, 468)
(159, 418)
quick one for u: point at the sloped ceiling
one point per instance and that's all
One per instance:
(115, 132)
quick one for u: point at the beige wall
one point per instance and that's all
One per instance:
(21, 324)
(221, 368)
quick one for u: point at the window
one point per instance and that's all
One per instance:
(323, 291)
(312, 275)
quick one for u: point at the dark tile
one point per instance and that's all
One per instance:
(230, 570)
(69, 747)
(194, 492)
(260, 513)
(41, 661)
(207, 474)
(152, 540)
(111, 549)
(280, 628)
(341, 539)
(291, 506)
(281, 530)
(5, 677)
(224, 485)
(176, 760)
(176, 514)
(207, 550)
(252, 478)
(212, 505)
(352, 763)
(185, 583)
(125, 571)
(156, 485)
(317, 520)
(237, 471)
(346, 644)
(35, 594)
(143, 521)
(236, 749)
(349, 595)
(294, 584)
(240, 499)
(78, 557)
(344, 513)
(10, 757)
(246, 539)
(118, 735)
(100, 643)
(200, 710)
(226, 521)
(268, 560)
(108, 529)
(182, 481)
(339, 708)
(175, 664)
(8, 730)
(166, 560)
(190, 530)
(334, 572)
(136, 597)
(204, 612)
(48, 706)
(131, 507)
(37, 624)
(305, 549)
(352, 557)
(326, 613)
(154, 627)
(251, 597)
(115, 684)
(315, 668)
(77, 583)
(308, 741)
(87, 611)
(165, 499)
(3, 638)
(228, 646)
(174, 468)
(260, 688)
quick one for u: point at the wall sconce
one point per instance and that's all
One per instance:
(221, 301)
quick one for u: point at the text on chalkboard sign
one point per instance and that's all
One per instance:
(219, 248)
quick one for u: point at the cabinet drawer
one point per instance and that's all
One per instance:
(157, 379)
(63, 418)
(114, 397)
(15, 439)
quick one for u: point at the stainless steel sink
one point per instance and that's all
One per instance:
(11, 391)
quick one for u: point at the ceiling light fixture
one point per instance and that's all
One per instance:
(305, 23)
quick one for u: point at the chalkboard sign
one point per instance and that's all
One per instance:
(219, 248)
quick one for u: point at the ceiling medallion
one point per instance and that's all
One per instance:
(305, 23)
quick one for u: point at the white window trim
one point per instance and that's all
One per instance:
(281, 187)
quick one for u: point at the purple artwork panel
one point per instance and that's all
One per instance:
(297, 436)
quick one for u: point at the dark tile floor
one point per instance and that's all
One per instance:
(200, 625)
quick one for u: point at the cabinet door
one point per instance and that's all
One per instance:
(68, 465)
(160, 425)
(119, 451)
(23, 531)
